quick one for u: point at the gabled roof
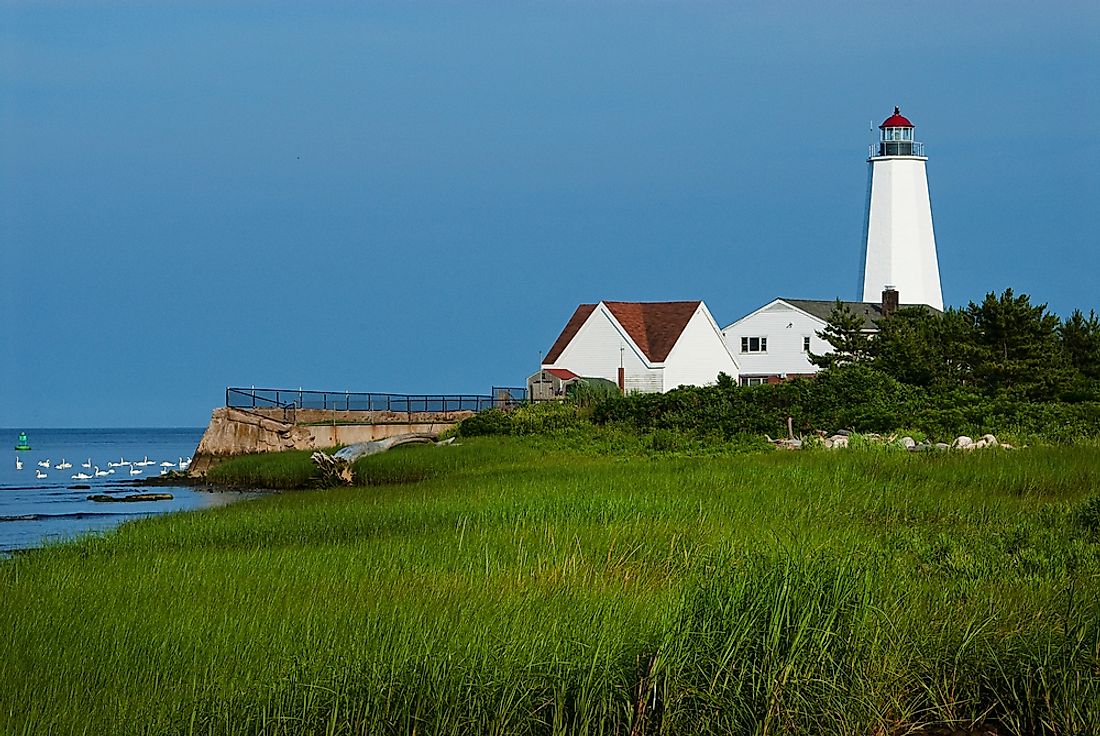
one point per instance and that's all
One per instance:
(870, 311)
(653, 326)
(579, 317)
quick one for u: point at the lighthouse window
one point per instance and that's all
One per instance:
(754, 344)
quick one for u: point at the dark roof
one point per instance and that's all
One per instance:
(570, 331)
(870, 311)
(654, 326)
(596, 380)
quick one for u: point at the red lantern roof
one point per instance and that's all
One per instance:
(897, 120)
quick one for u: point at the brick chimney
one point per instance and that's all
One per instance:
(889, 301)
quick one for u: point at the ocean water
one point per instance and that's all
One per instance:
(35, 511)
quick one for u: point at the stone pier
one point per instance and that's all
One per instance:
(233, 432)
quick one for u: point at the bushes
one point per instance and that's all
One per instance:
(853, 397)
(488, 422)
(542, 418)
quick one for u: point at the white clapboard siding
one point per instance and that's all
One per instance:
(595, 352)
(785, 327)
(699, 355)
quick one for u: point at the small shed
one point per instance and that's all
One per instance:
(549, 383)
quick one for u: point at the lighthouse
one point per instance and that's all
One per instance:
(899, 247)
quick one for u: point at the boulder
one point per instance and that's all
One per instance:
(990, 440)
(907, 442)
(837, 442)
(962, 442)
(942, 446)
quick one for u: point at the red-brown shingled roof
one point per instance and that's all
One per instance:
(654, 326)
(570, 331)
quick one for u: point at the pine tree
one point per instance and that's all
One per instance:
(922, 347)
(1081, 342)
(844, 332)
(1015, 349)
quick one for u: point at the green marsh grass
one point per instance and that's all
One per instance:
(525, 586)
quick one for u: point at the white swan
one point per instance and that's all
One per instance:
(136, 471)
(185, 464)
(81, 476)
(44, 464)
(63, 465)
(167, 464)
(18, 463)
(39, 474)
(145, 463)
(101, 473)
(87, 464)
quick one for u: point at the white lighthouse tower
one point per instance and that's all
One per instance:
(899, 247)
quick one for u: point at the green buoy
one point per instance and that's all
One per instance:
(22, 444)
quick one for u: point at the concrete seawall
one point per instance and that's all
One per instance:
(235, 432)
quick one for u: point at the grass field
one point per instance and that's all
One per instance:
(509, 586)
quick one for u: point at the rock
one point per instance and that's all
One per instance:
(920, 447)
(942, 446)
(104, 498)
(990, 440)
(838, 441)
(907, 442)
(962, 442)
(843, 432)
(979, 445)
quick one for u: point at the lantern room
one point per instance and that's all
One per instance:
(897, 138)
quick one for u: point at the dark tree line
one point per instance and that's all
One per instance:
(1004, 347)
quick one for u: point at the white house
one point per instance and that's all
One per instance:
(774, 342)
(642, 346)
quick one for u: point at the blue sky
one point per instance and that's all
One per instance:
(413, 197)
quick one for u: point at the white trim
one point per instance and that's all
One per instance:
(721, 337)
(777, 300)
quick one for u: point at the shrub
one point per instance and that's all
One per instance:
(545, 417)
(488, 422)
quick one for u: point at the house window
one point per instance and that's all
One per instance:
(754, 380)
(805, 343)
(754, 344)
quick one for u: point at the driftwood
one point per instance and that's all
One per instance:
(336, 468)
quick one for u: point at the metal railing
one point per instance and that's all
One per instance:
(895, 148)
(290, 401)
